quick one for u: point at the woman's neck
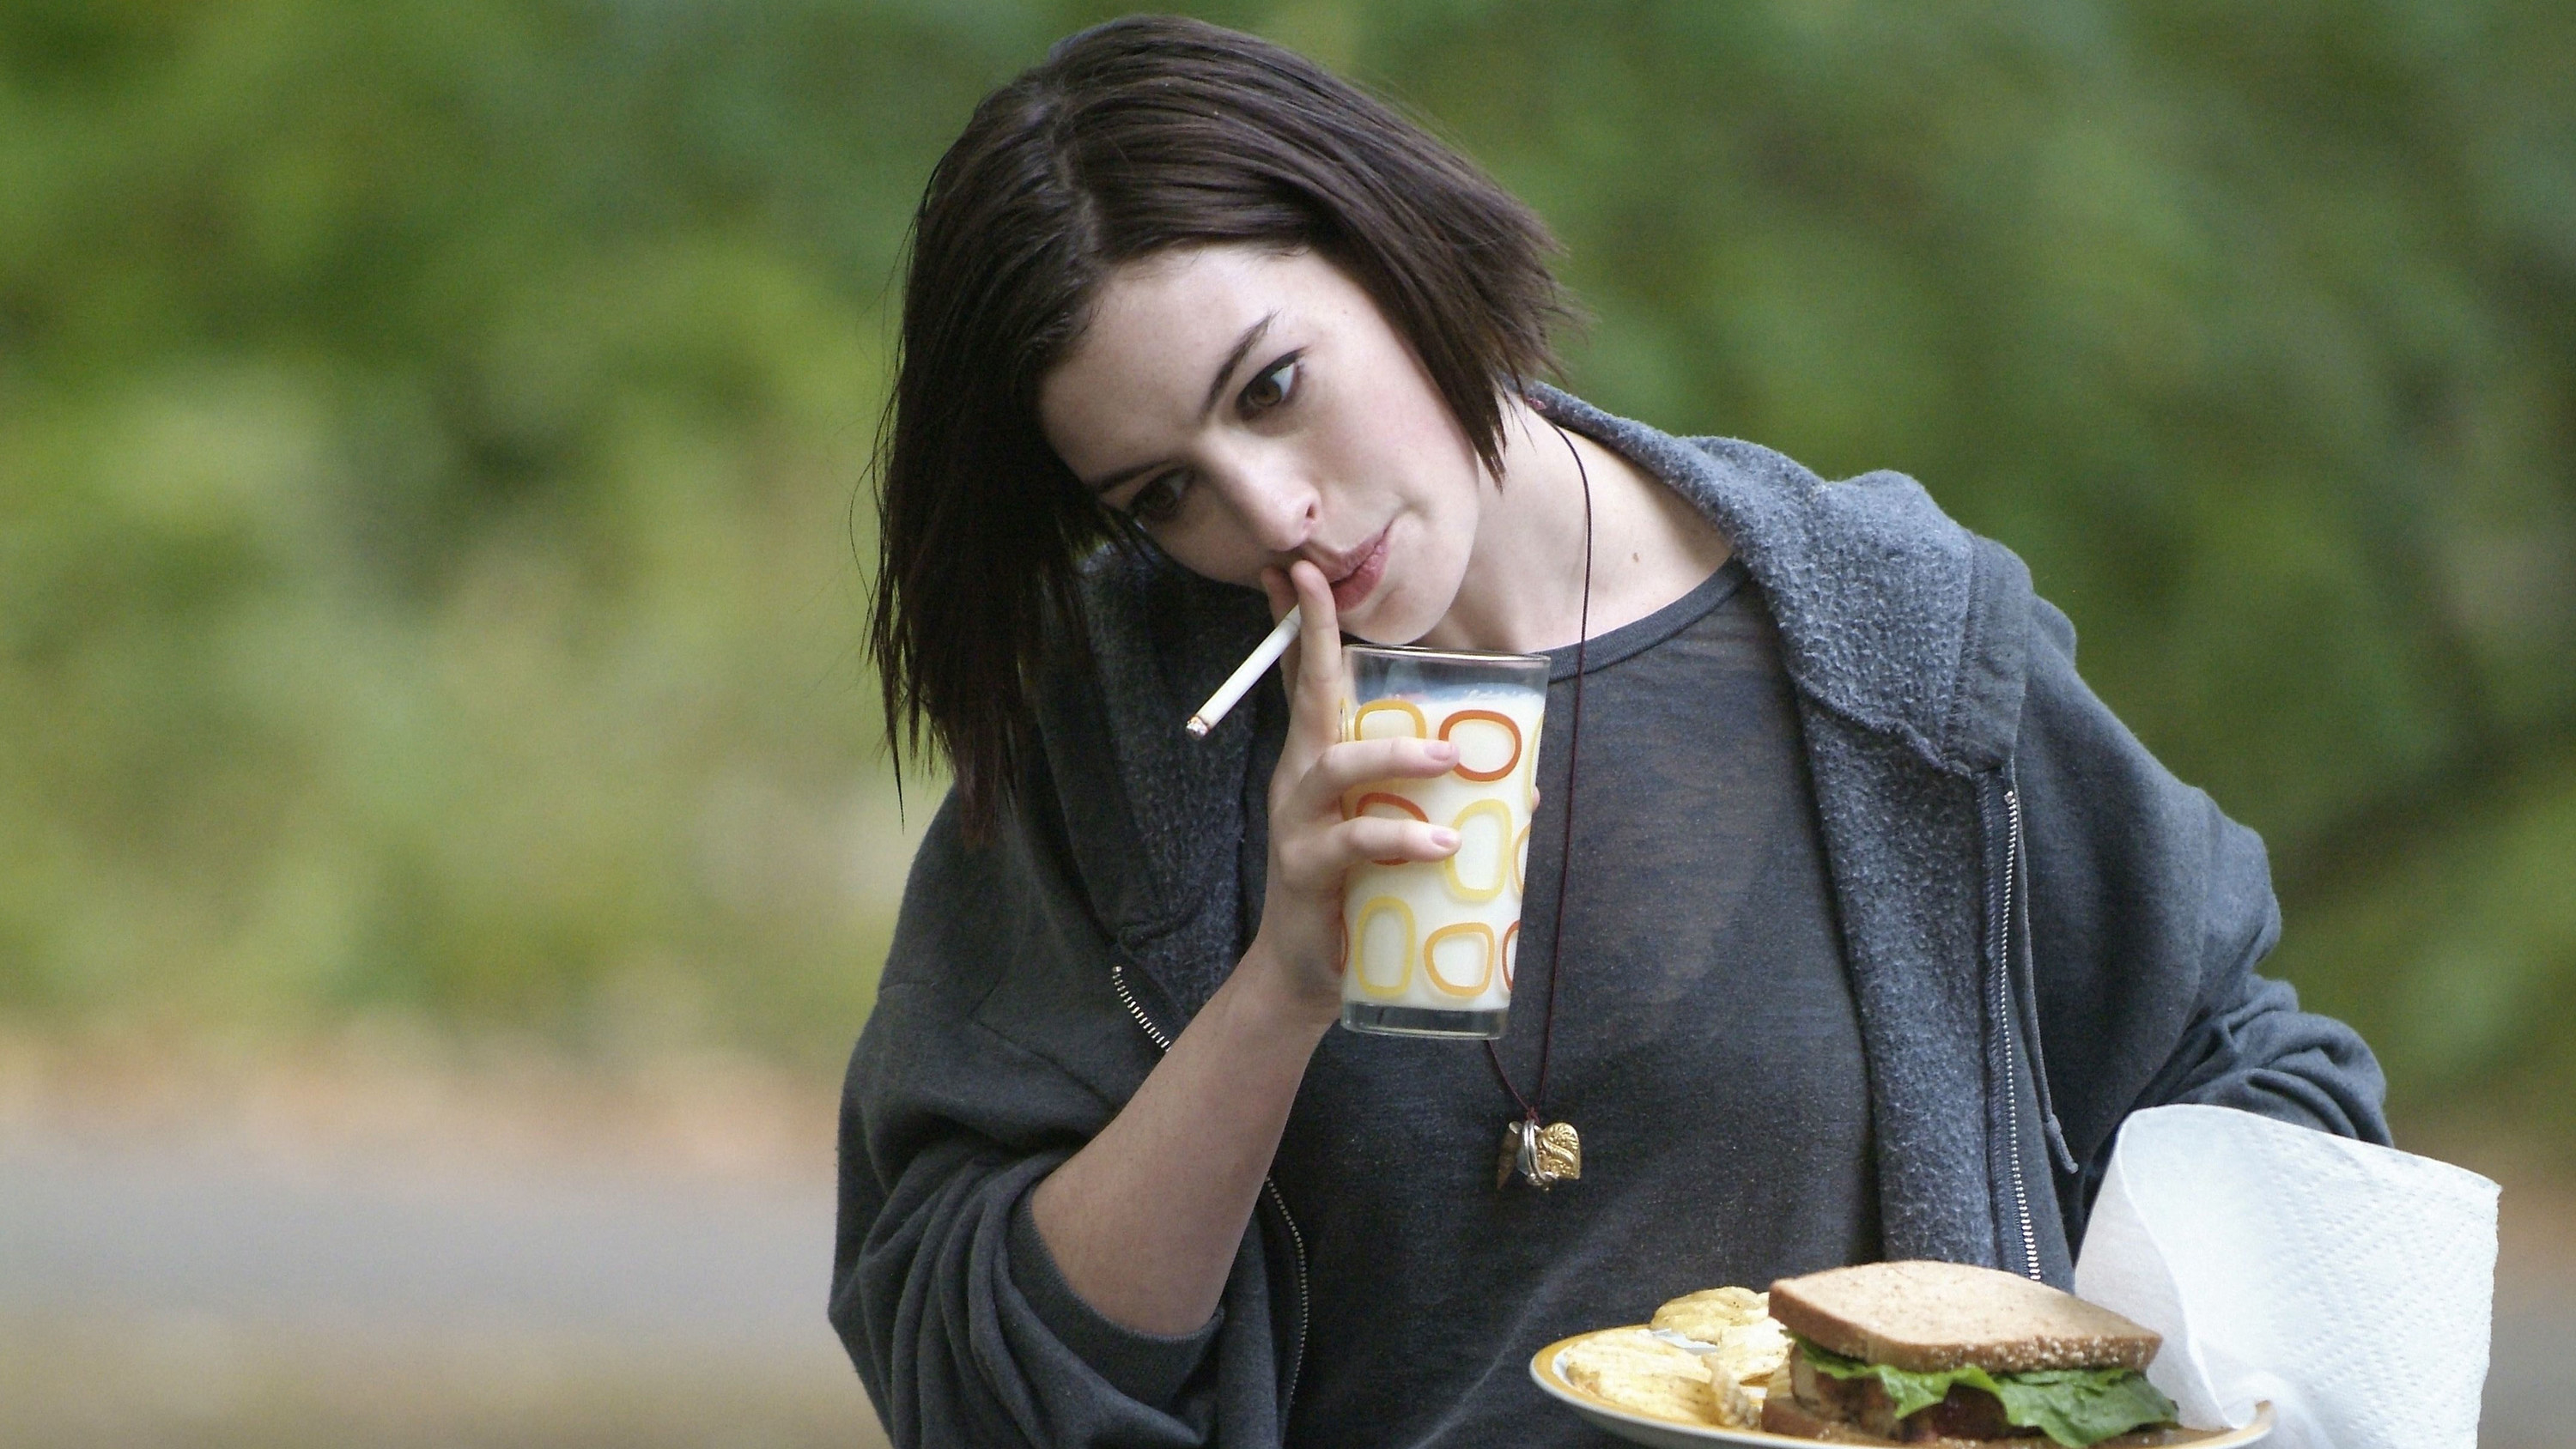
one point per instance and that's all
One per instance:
(1523, 588)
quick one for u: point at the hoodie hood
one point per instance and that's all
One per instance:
(1891, 615)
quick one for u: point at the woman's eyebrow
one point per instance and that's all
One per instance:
(1215, 393)
(1233, 360)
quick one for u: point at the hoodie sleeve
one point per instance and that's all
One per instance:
(2149, 911)
(954, 1109)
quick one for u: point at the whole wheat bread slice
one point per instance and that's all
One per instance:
(1925, 1317)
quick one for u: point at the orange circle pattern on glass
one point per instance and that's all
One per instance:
(1489, 716)
(1360, 807)
(1511, 952)
(1473, 930)
(1520, 863)
(1359, 946)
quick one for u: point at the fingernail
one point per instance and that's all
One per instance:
(1444, 750)
(1444, 837)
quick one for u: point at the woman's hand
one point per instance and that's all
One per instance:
(1311, 846)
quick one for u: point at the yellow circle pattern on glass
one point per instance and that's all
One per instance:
(1476, 932)
(1501, 815)
(1359, 728)
(1366, 963)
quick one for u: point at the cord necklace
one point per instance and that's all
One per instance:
(1546, 1153)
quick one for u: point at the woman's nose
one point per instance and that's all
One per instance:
(1278, 510)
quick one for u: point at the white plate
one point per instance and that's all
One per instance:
(1546, 1367)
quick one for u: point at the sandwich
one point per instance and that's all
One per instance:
(1949, 1355)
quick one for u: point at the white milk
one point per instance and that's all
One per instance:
(1444, 935)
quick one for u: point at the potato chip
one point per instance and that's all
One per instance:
(1736, 1323)
(1749, 1352)
(1632, 1368)
(1704, 1314)
(1739, 1406)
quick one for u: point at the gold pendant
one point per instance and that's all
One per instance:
(1543, 1155)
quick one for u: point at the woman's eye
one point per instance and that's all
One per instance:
(1271, 388)
(1158, 501)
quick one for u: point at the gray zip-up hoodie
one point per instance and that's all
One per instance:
(2010, 866)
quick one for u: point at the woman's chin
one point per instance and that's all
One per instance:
(1389, 618)
(1370, 626)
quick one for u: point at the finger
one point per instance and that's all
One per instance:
(1314, 664)
(1319, 860)
(1378, 838)
(1346, 766)
(1313, 592)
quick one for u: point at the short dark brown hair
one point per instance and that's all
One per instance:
(1133, 137)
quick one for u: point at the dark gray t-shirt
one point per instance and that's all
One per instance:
(1706, 1048)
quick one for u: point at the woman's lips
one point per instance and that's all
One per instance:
(1353, 588)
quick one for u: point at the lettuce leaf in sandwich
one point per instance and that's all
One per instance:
(2077, 1408)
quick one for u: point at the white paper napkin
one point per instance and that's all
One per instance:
(2351, 1285)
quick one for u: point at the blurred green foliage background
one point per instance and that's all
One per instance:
(432, 440)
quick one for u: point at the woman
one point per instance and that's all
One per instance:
(1193, 328)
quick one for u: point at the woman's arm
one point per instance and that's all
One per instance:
(2150, 911)
(1144, 1221)
(995, 1050)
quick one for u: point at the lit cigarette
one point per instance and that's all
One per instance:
(1263, 655)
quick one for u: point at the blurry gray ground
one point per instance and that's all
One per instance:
(344, 1262)
(424, 1267)
(2535, 1322)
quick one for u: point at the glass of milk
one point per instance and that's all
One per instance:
(1428, 947)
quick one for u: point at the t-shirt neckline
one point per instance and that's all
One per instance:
(1632, 639)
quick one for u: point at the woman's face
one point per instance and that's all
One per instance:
(1250, 408)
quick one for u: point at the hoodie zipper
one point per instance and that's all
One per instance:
(1296, 1239)
(2001, 936)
